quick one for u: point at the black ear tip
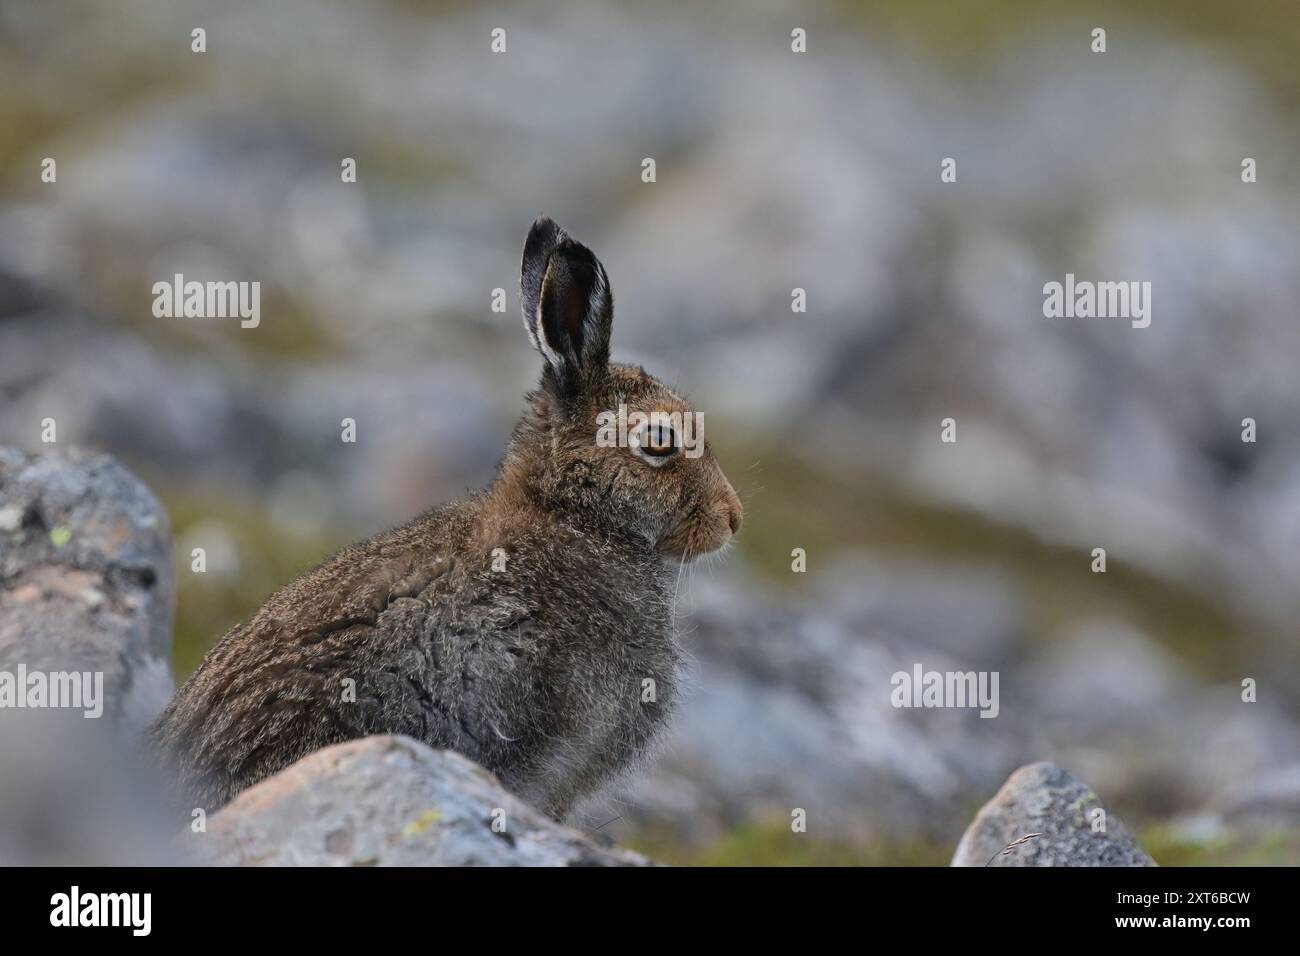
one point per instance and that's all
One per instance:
(571, 250)
(543, 236)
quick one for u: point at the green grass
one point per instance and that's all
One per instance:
(1169, 848)
(774, 844)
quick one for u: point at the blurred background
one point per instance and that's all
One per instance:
(775, 170)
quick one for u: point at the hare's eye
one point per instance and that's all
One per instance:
(657, 442)
(662, 441)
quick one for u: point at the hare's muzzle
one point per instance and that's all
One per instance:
(708, 527)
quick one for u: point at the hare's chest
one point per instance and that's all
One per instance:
(643, 663)
(620, 685)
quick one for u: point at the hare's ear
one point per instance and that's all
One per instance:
(568, 307)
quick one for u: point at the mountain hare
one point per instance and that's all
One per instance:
(522, 626)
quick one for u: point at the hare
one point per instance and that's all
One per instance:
(521, 626)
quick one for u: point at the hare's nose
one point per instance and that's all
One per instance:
(735, 513)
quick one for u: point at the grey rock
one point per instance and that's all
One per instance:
(976, 613)
(1266, 801)
(75, 793)
(1104, 672)
(232, 428)
(789, 706)
(86, 579)
(85, 586)
(1054, 811)
(1152, 751)
(390, 801)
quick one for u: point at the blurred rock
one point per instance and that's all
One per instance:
(233, 431)
(390, 801)
(974, 613)
(1173, 753)
(788, 706)
(86, 578)
(1268, 801)
(74, 793)
(85, 588)
(1104, 672)
(1043, 800)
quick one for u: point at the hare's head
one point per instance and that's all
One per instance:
(603, 440)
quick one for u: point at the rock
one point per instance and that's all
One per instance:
(390, 801)
(1055, 811)
(75, 793)
(789, 706)
(234, 432)
(1266, 801)
(1153, 753)
(1099, 672)
(85, 586)
(86, 578)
